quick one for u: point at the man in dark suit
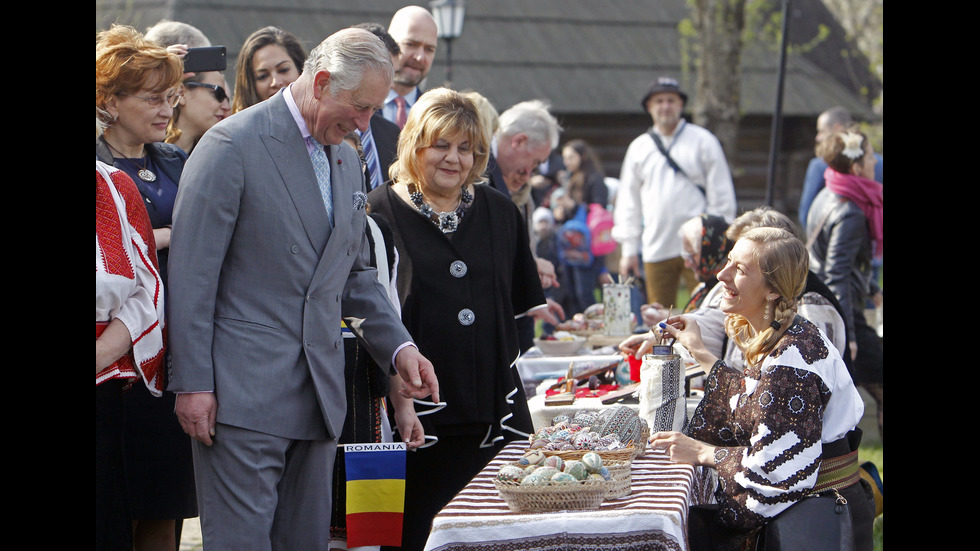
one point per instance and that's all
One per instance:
(384, 134)
(415, 31)
(268, 253)
(380, 140)
(525, 136)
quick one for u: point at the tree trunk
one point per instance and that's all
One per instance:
(719, 25)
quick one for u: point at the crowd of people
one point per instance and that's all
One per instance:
(330, 253)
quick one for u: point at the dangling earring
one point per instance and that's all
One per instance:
(766, 316)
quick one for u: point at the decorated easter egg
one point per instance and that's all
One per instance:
(563, 478)
(562, 435)
(577, 469)
(624, 423)
(584, 440)
(604, 473)
(510, 473)
(585, 418)
(595, 477)
(563, 418)
(610, 441)
(533, 457)
(539, 443)
(546, 472)
(534, 479)
(592, 462)
(555, 461)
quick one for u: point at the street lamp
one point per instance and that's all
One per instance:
(449, 20)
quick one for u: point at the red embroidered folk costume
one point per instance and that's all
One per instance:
(127, 279)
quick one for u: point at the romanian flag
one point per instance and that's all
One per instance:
(375, 493)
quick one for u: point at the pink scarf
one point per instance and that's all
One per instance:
(868, 195)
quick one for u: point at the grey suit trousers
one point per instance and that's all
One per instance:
(258, 492)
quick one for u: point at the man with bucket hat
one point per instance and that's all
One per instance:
(671, 173)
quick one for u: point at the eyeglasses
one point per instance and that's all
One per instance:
(156, 101)
(218, 91)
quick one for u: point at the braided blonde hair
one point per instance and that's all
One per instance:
(784, 263)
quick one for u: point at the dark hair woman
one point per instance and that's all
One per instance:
(845, 228)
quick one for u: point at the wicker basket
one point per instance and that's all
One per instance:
(641, 448)
(625, 454)
(622, 478)
(586, 494)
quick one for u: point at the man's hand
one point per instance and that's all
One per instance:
(629, 265)
(546, 273)
(197, 413)
(417, 373)
(553, 314)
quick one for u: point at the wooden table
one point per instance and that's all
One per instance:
(653, 516)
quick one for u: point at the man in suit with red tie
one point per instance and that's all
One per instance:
(415, 31)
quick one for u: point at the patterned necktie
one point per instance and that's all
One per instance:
(321, 167)
(401, 115)
(371, 158)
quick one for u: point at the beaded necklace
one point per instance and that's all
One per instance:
(447, 222)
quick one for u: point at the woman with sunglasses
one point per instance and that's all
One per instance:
(203, 104)
(137, 86)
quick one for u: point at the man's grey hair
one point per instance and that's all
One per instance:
(532, 118)
(837, 116)
(347, 55)
(167, 33)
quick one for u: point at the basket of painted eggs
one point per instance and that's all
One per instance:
(615, 434)
(538, 483)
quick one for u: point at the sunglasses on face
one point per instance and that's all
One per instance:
(218, 91)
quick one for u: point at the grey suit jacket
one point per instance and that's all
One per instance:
(259, 281)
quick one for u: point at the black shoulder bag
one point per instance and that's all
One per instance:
(670, 161)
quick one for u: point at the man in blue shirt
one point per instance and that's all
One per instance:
(415, 31)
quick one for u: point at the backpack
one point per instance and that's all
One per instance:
(574, 241)
(600, 223)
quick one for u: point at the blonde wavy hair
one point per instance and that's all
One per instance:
(784, 263)
(439, 112)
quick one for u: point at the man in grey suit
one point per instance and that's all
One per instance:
(268, 254)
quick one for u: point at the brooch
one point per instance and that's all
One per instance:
(360, 200)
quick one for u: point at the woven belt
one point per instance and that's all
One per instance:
(837, 473)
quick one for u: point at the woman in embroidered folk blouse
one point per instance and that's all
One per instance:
(137, 85)
(129, 338)
(793, 399)
(465, 273)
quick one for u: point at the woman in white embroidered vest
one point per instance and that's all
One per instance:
(774, 431)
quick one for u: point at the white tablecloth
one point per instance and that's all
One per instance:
(535, 367)
(653, 516)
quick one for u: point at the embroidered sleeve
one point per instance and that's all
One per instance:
(781, 423)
